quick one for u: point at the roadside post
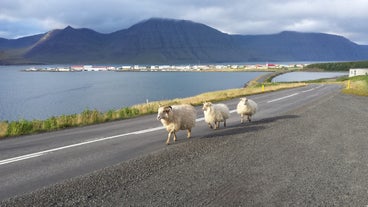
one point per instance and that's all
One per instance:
(263, 88)
(348, 87)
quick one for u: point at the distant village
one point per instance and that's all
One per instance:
(159, 68)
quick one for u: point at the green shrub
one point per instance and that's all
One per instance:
(65, 121)
(21, 127)
(91, 117)
(338, 66)
(109, 115)
(50, 124)
(128, 112)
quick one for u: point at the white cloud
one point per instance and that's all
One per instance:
(305, 25)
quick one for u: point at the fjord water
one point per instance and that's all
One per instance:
(40, 95)
(306, 76)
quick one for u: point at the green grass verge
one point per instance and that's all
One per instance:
(358, 86)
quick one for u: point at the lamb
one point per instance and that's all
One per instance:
(215, 113)
(246, 107)
(177, 117)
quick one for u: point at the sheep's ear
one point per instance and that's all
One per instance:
(168, 109)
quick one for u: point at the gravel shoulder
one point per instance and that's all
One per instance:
(312, 156)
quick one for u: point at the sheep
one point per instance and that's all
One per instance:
(215, 113)
(246, 107)
(177, 117)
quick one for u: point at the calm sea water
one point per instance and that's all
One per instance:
(40, 95)
(305, 76)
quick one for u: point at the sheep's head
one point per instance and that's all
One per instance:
(206, 106)
(244, 100)
(163, 112)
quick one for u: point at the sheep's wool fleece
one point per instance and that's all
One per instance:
(249, 108)
(218, 112)
(181, 117)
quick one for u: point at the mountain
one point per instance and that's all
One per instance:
(6, 44)
(169, 41)
(286, 46)
(66, 46)
(12, 50)
(173, 41)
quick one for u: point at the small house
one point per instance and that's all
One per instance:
(358, 71)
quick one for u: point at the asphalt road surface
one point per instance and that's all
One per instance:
(306, 147)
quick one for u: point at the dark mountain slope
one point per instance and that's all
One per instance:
(287, 46)
(168, 41)
(67, 46)
(20, 42)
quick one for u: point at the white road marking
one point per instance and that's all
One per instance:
(200, 119)
(312, 89)
(285, 97)
(308, 90)
(15, 159)
(41, 153)
(37, 154)
(294, 94)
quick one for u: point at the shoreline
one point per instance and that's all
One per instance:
(170, 68)
(90, 117)
(258, 85)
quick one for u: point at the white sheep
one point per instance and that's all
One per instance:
(177, 117)
(215, 113)
(246, 107)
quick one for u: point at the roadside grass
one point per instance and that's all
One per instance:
(358, 86)
(89, 117)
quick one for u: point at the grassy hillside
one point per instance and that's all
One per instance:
(358, 86)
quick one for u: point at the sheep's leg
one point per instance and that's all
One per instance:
(217, 124)
(189, 133)
(210, 125)
(225, 123)
(174, 136)
(241, 118)
(249, 118)
(168, 138)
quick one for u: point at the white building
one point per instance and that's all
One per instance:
(358, 71)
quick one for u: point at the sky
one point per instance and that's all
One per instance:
(348, 18)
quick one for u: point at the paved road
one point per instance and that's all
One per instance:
(275, 159)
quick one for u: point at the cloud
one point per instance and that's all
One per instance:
(348, 18)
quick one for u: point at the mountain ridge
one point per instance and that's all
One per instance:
(171, 41)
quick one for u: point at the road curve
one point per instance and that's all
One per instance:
(31, 163)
